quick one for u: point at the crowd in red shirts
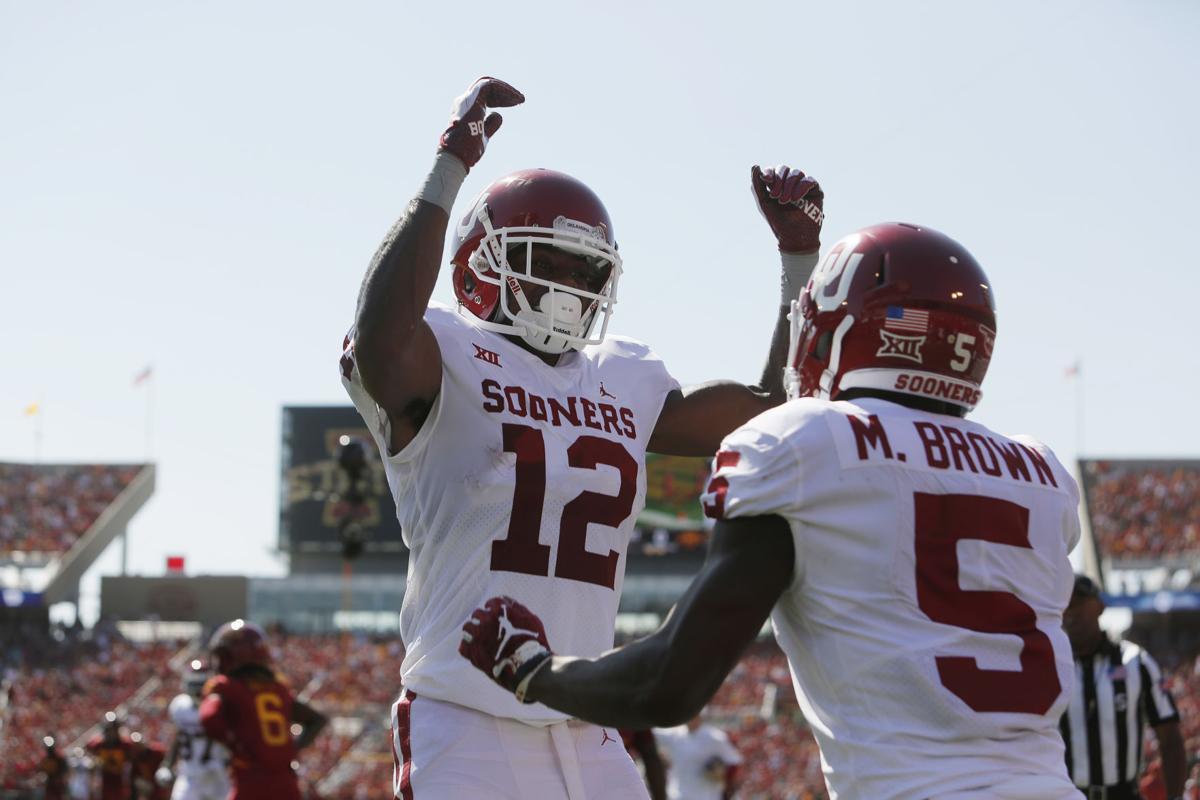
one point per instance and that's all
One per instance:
(45, 508)
(353, 679)
(1141, 511)
(61, 685)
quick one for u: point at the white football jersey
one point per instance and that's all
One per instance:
(690, 753)
(923, 625)
(197, 753)
(525, 480)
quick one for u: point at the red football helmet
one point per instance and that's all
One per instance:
(237, 644)
(535, 206)
(898, 308)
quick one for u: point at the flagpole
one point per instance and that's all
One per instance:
(1079, 409)
(37, 433)
(145, 381)
(149, 415)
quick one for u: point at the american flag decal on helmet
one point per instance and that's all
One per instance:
(906, 319)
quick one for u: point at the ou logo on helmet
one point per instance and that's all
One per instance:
(832, 279)
(478, 212)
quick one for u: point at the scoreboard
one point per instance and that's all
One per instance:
(320, 499)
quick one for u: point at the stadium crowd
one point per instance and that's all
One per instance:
(352, 678)
(1144, 512)
(61, 686)
(46, 508)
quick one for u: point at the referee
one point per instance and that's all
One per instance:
(1118, 691)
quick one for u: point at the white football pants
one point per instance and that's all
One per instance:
(445, 751)
(208, 785)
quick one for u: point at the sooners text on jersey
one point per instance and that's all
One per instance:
(525, 480)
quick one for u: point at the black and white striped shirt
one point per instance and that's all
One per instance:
(1117, 692)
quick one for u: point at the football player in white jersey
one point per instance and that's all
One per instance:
(199, 764)
(913, 563)
(703, 762)
(513, 432)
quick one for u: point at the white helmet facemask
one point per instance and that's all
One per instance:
(565, 315)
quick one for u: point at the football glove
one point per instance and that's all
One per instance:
(793, 205)
(507, 642)
(470, 125)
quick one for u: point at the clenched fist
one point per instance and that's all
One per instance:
(471, 125)
(507, 641)
(793, 205)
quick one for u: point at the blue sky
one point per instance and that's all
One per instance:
(200, 187)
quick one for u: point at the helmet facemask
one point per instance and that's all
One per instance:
(564, 316)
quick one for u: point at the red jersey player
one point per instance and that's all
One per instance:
(251, 710)
(111, 751)
(54, 767)
(144, 759)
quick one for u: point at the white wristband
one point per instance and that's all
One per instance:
(444, 181)
(523, 686)
(797, 269)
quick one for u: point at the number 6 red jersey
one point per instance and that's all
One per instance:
(525, 480)
(251, 713)
(924, 622)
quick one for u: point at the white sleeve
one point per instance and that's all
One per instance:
(178, 707)
(754, 473)
(374, 416)
(725, 749)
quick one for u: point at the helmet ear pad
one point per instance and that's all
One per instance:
(822, 347)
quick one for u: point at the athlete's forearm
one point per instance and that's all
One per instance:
(1174, 758)
(770, 385)
(401, 277)
(624, 688)
(312, 722)
(666, 678)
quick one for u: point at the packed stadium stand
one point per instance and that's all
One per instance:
(1148, 510)
(61, 685)
(352, 678)
(46, 508)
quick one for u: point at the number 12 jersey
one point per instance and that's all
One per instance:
(923, 625)
(525, 480)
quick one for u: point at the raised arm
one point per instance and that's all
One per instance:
(394, 350)
(666, 678)
(694, 421)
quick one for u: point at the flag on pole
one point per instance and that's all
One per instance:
(144, 375)
(1073, 370)
(32, 409)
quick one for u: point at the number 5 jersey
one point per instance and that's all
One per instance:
(923, 625)
(525, 480)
